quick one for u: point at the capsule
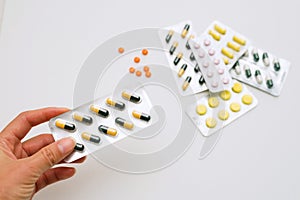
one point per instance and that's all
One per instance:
(182, 70)
(247, 71)
(201, 80)
(255, 55)
(178, 58)
(131, 97)
(122, 122)
(90, 137)
(227, 53)
(65, 125)
(237, 68)
(186, 83)
(141, 116)
(239, 40)
(169, 36)
(107, 130)
(219, 29)
(233, 46)
(173, 47)
(258, 77)
(116, 104)
(276, 64)
(99, 111)
(185, 30)
(214, 35)
(266, 59)
(83, 118)
(197, 68)
(269, 81)
(187, 45)
(79, 147)
(192, 56)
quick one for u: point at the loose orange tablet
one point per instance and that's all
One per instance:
(144, 52)
(148, 74)
(146, 69)
(138, 73)
(136, 59)
(132, 70)
(121, 50)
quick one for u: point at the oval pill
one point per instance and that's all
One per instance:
(65, 125)
(219, 29)
(237, 87)
(140, 115)
(227, 53)
(225, 95)
(90, 137)
(116, 104)
(99, 111)
(107, 130)
(211, 122)
(131, 97)
(239, 40)
(213, 102)
(83, 118)
(235, 107)
(223, 115)
(122, 122)
(233, 46)
(247, 99)
(201, 109)
(214, 35)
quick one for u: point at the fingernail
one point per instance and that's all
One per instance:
(66, 145)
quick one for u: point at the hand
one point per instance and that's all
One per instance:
(26, 167)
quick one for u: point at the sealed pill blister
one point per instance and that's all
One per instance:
(187, 73)
(216, 110)
(104, 121)
(214, 71)
(262, 70)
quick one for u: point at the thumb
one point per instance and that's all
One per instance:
(52, 154)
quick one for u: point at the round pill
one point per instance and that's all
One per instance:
(211, 122)
(221, 71)
(223, 115)
(136, 59)
(225, 80)
(145, 52)
(205, 64)
(247, 99)
(121, 50)
(201, 109)
(225, 95)
(201, 54)
(210, 74)
(237, 87)
(211, 52)
(148, 74)
(213, 102)
(132, 70)
(146, 68)
(196, 46)
(138, 73)
(214, 84)
(235, 107)
(217, 61)
(206, 42)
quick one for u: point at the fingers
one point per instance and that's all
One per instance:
(20, 126)
(34, 144)
(52, 154)
(54, 175)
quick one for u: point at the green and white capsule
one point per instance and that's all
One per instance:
(276, 65)
(247, 71)
(173, 48)
(258, 77)
(192, 56)
(169, 36)
(265, 58)
(269, 81)
(178, 58)
(237, 68)
(255, 55)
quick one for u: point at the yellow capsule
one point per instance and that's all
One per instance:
(247, 99)
(233, 46)
(237, 87)
(226, 61)
(201, 109)
(185, 30)
(239, 40)
(227, 53)
(219, 29)
(213, 102)
(225, 95)
(235, 107)
(223, 115)
(214, 35)
(65, 125)
(211, 122)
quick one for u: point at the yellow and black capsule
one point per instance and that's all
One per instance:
(141, 116)
(99, 111)
(122, 122)
(131, 97)
(201, 80)
(255, 55)
(182, 70)
(173, 47)
(79, 147)
(197, 68)
(107, 130)
(82, 118)
(186, 83)
(192, 56)
(276, 64)
(237, 68)
(185, 30)
(178, 58)
(65, 125)
(116, 104)
(91, 137)
(187, 45)
(169, 36)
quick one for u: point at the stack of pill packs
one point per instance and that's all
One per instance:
(220, 61)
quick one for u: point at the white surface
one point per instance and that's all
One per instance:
(44, 43)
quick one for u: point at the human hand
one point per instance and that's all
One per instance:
(26, 167)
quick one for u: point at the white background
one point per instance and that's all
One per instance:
(44, 43)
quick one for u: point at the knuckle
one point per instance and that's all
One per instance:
(49, 156)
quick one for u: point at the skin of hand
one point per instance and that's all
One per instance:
(27, 167)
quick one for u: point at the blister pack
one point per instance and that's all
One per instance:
(215, 111)
(104, 121)
(262, 70)
(187, 73)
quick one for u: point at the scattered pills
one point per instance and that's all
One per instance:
(146, 68)
(138, 73)
(131, 70)
(121, 50)
(141, 116)
(145, 52)
(148, 74)
(136, 59)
